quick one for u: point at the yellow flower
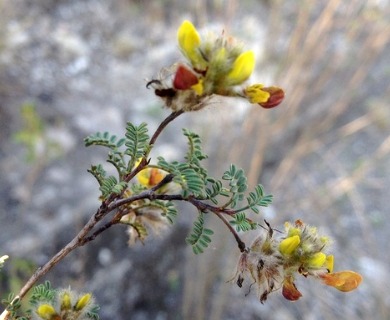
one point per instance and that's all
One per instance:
(47, 312)
(189, 41)
(242, 68)
(288, 245)
(217, 65)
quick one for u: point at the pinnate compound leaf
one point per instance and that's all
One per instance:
(199, 238)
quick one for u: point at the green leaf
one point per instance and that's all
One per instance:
(101, 139)
(190, 179)
(258, 199)
(42, 292)
(199, 237)
(194, 154)
(137, 142)
(110, 185)
(242, 223)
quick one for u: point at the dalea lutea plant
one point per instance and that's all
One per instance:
(143, 192)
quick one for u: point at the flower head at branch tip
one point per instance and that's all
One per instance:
(67, 304)
(216, 65)
(274, 263)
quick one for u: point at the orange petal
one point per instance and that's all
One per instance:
(156, 176)
(184, 78)
(276, 97)
(344, 280)
(290, 291)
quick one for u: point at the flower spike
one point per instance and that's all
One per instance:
(216, 65)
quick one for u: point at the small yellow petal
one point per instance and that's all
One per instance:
(66, 303)
(143, 177)
(198, 88)
(288, 245)
(317, 260)
(83, 301)
(242, 68)
(256, 95)
(189, 41)
(329, 263)
(46, 312)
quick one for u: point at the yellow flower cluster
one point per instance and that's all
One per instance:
(67, 305)
(273, 263)
(303, 253)
(216, 66)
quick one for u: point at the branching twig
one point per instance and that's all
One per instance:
(116, 201)
(144, 160)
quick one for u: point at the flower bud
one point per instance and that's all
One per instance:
(288, 245)
(189, 41)
(83, 301)
(47, 312)
(242, 68)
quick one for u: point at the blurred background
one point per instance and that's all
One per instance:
(71, 68)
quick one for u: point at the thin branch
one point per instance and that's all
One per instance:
(98, 231)
(115, 220)
(241, 244)
(163, 124)
(200, 205)
(74, 243)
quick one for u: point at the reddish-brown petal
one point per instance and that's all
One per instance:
(344, 280)
(276, 97)
(290, 291)
(184, 78)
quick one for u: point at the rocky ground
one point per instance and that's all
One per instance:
(83, 64)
